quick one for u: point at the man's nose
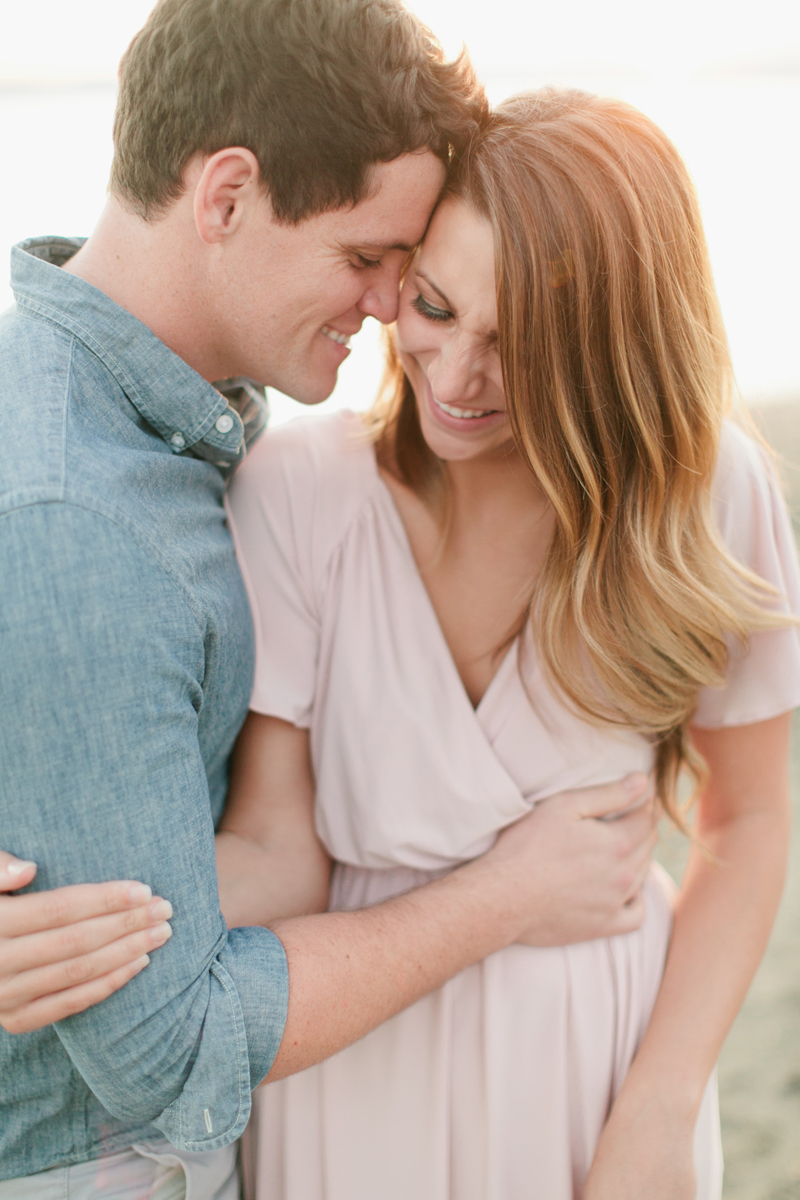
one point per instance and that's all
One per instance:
(380, 300)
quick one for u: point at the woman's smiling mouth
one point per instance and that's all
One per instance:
(464, 414)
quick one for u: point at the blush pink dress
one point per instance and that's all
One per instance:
(495, 1087)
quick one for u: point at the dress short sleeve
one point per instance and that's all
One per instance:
(271, 504)
(763, 678)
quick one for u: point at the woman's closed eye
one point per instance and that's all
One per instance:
(429, 311)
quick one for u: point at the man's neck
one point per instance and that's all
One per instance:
(153, 269)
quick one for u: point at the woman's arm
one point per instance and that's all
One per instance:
(270, 861)
(723, 918)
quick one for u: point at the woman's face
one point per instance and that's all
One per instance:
(447, 336)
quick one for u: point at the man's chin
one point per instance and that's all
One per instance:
(312, 391)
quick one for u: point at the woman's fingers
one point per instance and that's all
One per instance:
(38, 911)
(15, 872)
(45, 1011)
(24, 988)
(69, 942)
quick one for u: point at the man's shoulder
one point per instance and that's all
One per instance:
(35, 367)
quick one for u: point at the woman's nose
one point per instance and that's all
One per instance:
(453, 375)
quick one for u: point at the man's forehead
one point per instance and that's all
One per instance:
(394, 213)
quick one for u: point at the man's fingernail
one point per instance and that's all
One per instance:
(18, 866)
(634, 784)
(140, 893)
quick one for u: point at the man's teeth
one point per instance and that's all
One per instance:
(465, 413)
(342, 338)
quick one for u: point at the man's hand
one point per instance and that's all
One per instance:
(582, 858)
(570, 871)
(65, 950)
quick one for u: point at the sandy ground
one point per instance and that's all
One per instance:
(759, 1071)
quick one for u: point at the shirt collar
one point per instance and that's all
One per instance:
(189, 413)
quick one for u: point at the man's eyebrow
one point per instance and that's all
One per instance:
(381, 247)
(438, 291)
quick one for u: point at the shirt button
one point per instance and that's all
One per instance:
(178, 441)
(225, 423)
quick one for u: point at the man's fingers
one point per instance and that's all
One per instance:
(28, 986)
(629, 917)
(24, 953)
(49, 1009)
(38, 911)
(615, 800)
(15, 872)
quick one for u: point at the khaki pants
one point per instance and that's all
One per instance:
(152, 1171)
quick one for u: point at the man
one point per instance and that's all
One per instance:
(275, 162)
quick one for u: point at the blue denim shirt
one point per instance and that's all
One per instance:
(126, 652)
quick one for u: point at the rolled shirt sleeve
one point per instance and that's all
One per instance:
(104, 658)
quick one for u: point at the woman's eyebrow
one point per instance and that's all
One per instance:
(438, 291)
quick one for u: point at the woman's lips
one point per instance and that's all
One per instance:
(449, 416)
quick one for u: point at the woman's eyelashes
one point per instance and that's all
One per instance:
(429, 311)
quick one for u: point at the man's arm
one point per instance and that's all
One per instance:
(103, 663)
(557, 876)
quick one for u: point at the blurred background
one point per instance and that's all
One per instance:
(722, 77)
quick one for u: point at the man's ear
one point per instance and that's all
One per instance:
(227, 187)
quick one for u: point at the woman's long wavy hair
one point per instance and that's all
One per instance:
(617, 376)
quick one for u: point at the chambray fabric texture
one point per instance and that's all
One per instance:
(126, 646)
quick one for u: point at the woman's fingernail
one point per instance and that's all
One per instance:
(160, 910)
(141, 963)
(18, 866)
(160, 934)
(140, 893)
(635, 784)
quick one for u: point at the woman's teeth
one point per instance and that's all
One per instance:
(467, 414)
(342, 338)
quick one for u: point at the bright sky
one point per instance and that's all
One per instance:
(738, 133)
(87, 37)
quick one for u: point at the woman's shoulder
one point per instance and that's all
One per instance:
(746, 492)
(308, 478)
(742, 458)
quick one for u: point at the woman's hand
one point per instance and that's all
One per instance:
(64, 950)
(648, 1152)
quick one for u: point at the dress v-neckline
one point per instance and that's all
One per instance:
(433, 616)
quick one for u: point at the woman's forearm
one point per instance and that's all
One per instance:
(722, 922)
(723, 919)
(724, 914)
(258, 886)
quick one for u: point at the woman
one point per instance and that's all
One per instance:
(543, 562)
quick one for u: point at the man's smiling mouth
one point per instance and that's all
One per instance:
(343, 339)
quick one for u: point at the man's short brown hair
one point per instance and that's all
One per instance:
(318, 90)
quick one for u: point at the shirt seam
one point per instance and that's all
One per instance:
(64, 420)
